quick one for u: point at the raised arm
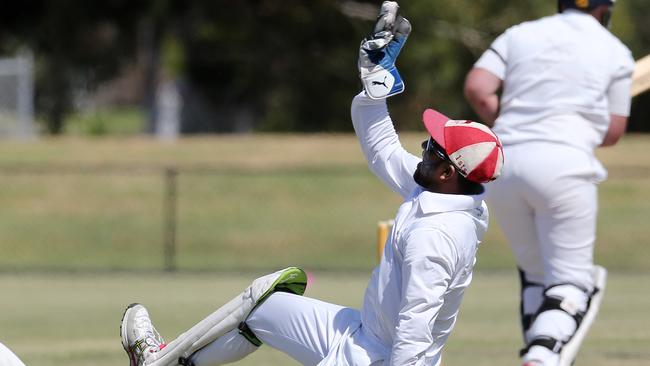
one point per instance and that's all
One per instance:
(380, 144)
(381, 79)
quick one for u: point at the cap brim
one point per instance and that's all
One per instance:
(434, 122)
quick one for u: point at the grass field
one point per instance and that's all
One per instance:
(98, 204)
(73, 320)
(81, 232)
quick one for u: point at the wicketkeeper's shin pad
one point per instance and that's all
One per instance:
(229, 316)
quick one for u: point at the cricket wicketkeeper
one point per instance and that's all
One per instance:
(412, 300)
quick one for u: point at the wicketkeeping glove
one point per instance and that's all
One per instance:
(378, 53)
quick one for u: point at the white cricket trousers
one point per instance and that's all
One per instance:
(310, 331)
(546, 202)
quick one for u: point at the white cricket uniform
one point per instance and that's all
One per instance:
(563, 76)
(8, 358)
(414, 294)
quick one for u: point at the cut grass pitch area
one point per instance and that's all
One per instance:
(73, 320)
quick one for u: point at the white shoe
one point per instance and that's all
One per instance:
(139, 337)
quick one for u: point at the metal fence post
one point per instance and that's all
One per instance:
(169, 219)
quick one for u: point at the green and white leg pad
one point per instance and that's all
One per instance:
(231, 315)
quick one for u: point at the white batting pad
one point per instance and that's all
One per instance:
(570, 350)
(224, 319)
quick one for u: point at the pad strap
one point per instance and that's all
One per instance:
(526, 319)
(547, 342)
(245, 331)
(554, 303)
(183, 361)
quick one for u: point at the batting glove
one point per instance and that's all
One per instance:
(378, 53)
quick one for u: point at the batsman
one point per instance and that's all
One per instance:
(554, 89)
(412, 299)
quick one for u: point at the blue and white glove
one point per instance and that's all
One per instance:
(378, 53)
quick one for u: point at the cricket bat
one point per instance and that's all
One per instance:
(641, 76)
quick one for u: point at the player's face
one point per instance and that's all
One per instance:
(426, 172)
(430, 147)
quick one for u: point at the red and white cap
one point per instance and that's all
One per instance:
(473, 148)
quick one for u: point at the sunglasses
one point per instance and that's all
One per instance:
(431, 145)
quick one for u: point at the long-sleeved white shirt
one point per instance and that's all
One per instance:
(414, 294)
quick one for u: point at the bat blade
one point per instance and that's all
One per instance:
(641, 76)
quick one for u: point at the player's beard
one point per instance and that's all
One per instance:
(425, 173)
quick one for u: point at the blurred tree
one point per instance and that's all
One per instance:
(268, 65)
(75, 42)
(634, 22)
(271, 65)
(291, 65)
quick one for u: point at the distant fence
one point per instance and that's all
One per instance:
(190, 218)
(78, 218)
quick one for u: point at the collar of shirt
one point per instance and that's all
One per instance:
(579, 15)
(431, 202)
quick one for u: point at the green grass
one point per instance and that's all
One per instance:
(73, 320)
(245, 202)
(248, 204)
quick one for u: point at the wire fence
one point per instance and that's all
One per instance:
(201, 218)
(108, 218)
